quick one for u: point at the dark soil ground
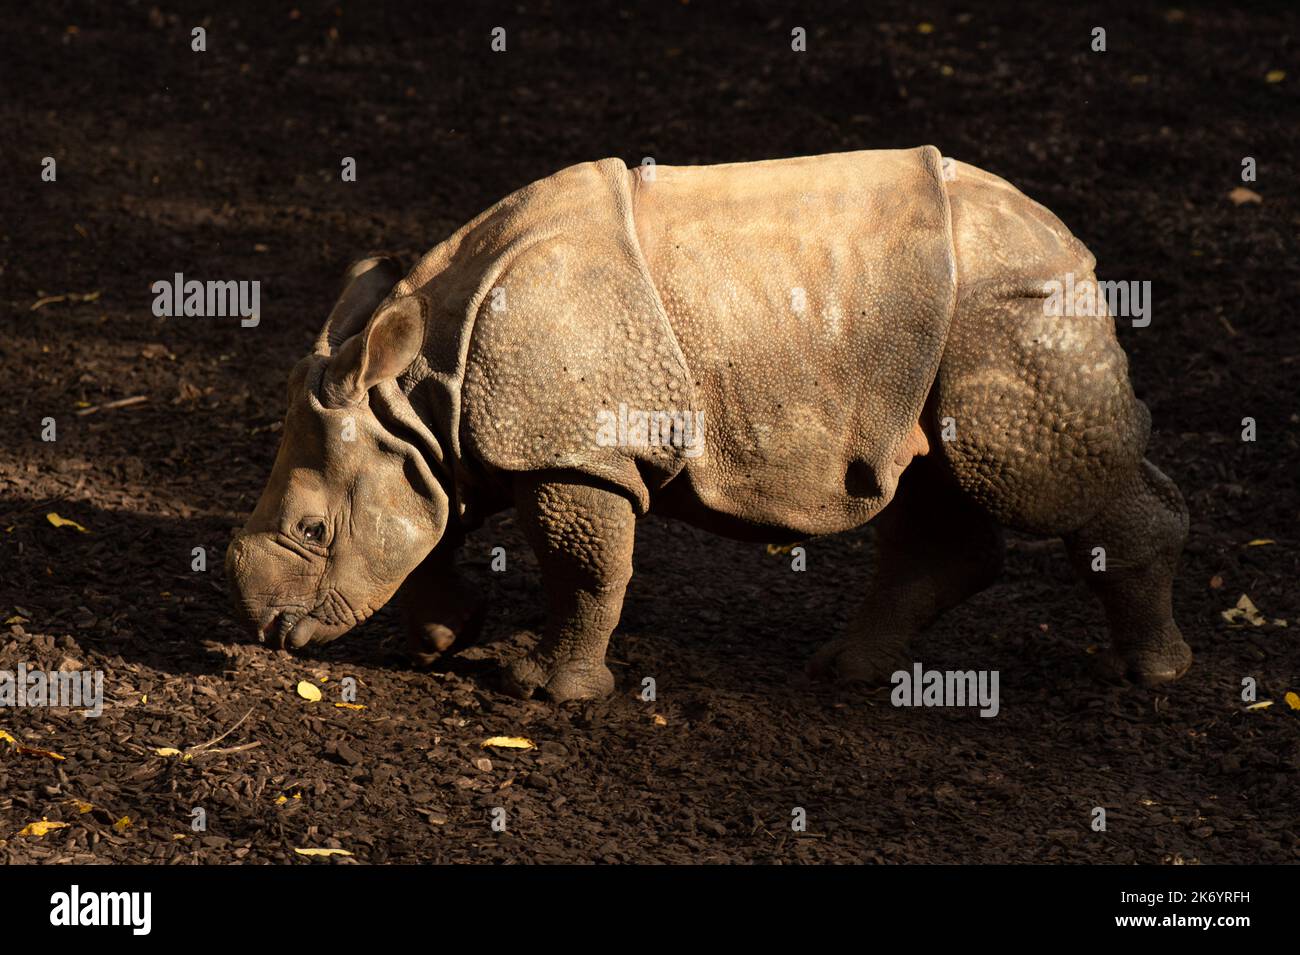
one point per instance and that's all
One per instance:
(225, 164)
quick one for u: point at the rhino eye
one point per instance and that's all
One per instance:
(313, 531)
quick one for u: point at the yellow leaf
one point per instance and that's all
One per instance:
(925, 28)
(351, 706)
(16, 619)
(281, 800)
(33, 751)
(1261, 705)
(81, 404)
(1292, 700)
(322, 852)
(1275, 76)
(167, 751)
(508, 742)
(41, 828)
(123, 824)
(5, 737)
(308, 691)
(82, 807)
(660, 721)
(57, 521)
(1260, 542)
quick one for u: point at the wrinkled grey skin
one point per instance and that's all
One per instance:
(474, 384)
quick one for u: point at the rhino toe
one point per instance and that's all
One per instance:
(1145, 667)
(854, 661)
(571, 680)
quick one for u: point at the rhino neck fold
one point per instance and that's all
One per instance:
(393, 409)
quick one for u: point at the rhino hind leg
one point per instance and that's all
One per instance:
(582, 534)
(1046, 435)
(1128, 555)
(934, 548)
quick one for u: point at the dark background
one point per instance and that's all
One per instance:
(225, 165)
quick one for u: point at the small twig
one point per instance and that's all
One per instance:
(109, 405)
(225, 750)
(202, 746)
(66, 297)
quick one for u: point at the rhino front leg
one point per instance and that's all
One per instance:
(582, 534)
(934, 548)
(438, 608)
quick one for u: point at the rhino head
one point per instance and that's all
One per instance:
(352, 505)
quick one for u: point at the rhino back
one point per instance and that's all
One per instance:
(811, 298)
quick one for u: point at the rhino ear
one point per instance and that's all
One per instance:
(369, 281)
(391, 340)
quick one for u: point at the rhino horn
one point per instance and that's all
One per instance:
(369, 281)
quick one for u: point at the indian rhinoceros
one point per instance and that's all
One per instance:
(770, 350)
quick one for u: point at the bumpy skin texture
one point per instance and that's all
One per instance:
(862, 334)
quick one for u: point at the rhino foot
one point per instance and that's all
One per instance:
(1146, 666)
(850, 660)
(572, 679)
(427, 640)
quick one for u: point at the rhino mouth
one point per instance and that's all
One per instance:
(288, 629)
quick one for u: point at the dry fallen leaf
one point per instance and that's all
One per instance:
(16, 619)
(1275, 76)
(1241, 196)
(508, 742)
(1245, 611)
(660, 721)
(167, 751)
(1260, 542)
(41, 828)
(57, 521)
(309, 691)
(1261, 705)
(1292, 700)
(351, 706)
(322, 852)
(1216, 582)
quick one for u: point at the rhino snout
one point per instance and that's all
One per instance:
(257, 573)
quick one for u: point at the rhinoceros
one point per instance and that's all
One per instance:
(770, 350)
